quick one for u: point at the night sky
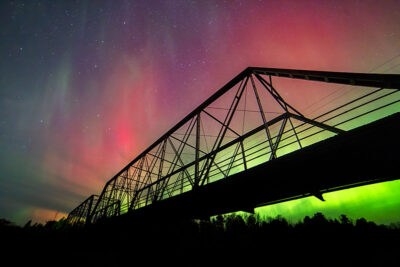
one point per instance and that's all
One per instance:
(85, 86)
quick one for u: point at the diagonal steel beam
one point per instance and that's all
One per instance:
(263, 117)
(223, 130)
(317, 124)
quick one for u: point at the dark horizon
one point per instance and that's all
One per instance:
(231, 240)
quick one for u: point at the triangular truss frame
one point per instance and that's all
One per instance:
(189, 156)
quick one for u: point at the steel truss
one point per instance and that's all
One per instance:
(246, 123)
(81, 213)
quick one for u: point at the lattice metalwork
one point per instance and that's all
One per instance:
(244, 124)
(81, 213)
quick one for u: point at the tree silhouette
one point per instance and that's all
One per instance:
(221, 240)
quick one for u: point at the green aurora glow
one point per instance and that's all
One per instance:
(376, 202)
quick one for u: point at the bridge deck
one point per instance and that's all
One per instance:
(367, 154)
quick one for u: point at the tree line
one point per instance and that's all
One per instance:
(225, 239)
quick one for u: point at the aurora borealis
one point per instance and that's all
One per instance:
(85, 86)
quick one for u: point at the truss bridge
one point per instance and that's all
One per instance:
(252, 143)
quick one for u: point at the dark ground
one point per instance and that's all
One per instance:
(223, 241)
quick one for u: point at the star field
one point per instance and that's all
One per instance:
(85, 86)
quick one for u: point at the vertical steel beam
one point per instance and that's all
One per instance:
(196, 166)
(160, 170)
(89, 209)
(243, 155)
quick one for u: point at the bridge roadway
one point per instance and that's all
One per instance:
(365, 155)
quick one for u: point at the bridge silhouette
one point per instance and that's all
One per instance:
(246, 147)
